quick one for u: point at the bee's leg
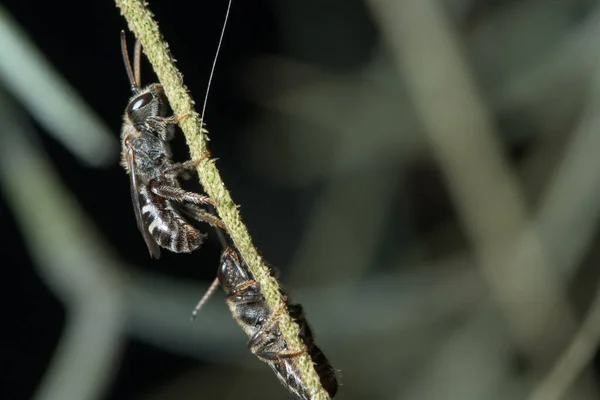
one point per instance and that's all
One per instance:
(266, 355)
(160, 126)
(270, 346)
(195, 212)
(268, 325)
(184, 169)
(247, 292)
(173, 120)
(163, 126)
(178, 194)
(257, 345)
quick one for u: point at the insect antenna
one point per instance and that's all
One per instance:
(136, 63)
(135, 87)
(204, 299)
(215, 284)
(212, 71)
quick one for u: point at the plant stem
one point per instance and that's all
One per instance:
(142, 24)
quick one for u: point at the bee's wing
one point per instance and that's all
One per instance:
(152, 245)
(289, 376)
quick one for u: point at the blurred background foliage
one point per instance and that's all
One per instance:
(424, 173)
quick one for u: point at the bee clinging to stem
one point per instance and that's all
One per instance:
(161, 206)
(251, 312)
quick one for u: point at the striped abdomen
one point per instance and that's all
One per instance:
(167, 227)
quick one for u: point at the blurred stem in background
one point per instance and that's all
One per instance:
(62, 245)
(431, 329)
(30, 78)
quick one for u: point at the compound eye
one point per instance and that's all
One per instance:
(141, 101)
(223, 274)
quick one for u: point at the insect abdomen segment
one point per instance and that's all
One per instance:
(166, 226)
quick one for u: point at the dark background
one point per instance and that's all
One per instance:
(279, 154)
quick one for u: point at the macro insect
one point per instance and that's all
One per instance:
(248, 306)
(162, 208)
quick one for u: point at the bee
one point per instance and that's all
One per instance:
(249, 308)
(161, 206)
